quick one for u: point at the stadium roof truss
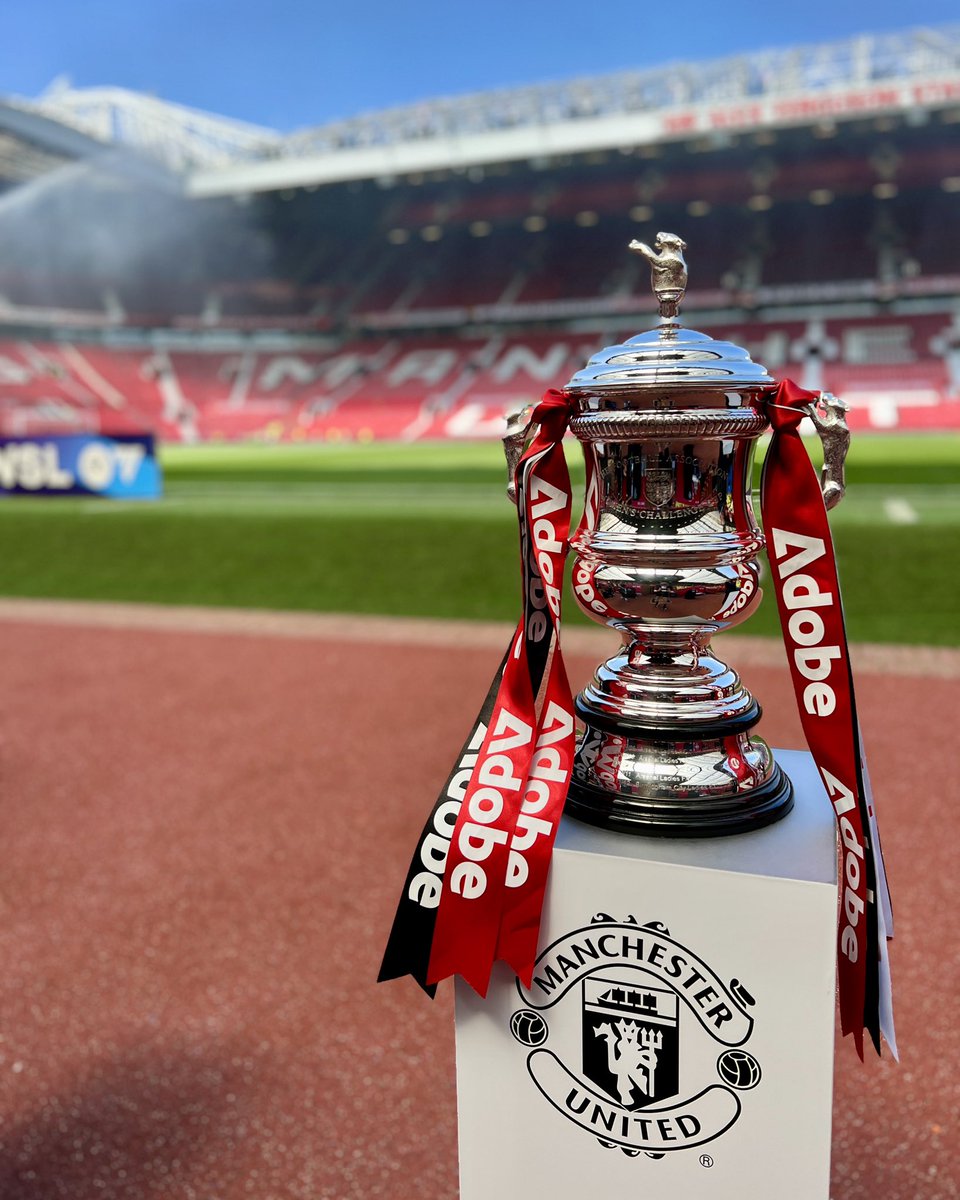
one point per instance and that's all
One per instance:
(909, 72)
(32, 145)
(182, 139)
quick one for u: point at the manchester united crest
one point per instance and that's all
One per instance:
(630, 1041)
(659, 1061)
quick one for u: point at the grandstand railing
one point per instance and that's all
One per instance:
(770, 297)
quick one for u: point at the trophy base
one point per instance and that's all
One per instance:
(683, 816)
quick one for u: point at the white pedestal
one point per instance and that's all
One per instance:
(678, 1036)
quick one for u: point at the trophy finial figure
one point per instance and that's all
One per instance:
(668, 271)
(829, 415)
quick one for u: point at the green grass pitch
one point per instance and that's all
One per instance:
(426, 530)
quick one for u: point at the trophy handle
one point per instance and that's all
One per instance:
(514, 443)
(829, 416)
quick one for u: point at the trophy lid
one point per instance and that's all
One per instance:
(671, 355)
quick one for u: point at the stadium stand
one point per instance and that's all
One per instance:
(157, 272)
(899, 372)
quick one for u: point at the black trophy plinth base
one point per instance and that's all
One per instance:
(682, 817)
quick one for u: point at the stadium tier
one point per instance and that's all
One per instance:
(212, 280)
(901, 373)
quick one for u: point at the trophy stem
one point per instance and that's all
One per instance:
(667, 747)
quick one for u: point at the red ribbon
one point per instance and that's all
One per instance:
(804, 571)
(500, 849)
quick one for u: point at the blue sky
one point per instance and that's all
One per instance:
(290, 63)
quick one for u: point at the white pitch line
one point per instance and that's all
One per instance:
(899, 512)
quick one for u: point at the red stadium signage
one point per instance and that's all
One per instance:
(809, 105)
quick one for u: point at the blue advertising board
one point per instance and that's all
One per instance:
(123, 467)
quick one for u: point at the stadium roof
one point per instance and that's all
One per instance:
(32, 145)
(912, 72)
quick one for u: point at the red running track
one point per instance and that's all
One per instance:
(191, 915)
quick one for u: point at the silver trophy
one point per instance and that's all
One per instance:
(668, 557)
